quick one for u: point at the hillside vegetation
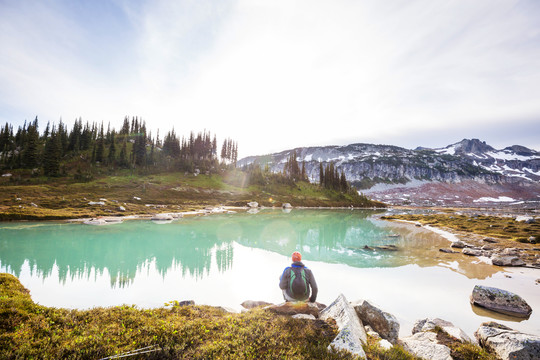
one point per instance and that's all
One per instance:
(64, 198)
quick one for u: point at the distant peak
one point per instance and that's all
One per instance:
(474, 146)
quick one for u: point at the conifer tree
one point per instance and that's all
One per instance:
(52, 155)
(100, 146)
(30, 155)
(112, 149)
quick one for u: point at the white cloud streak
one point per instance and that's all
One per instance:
(280, 74)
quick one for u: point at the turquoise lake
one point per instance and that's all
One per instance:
(222, 260)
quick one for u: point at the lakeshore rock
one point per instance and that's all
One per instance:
(384, 323)
(286, 206)
(250, 304)
(351, 334)
(501, 301)
(502, 260)
(473, 252)
(294, 308)
(508, 343)
(448, 251)
(459, 245)
(425, 345)
(429, 324)
(304, 316)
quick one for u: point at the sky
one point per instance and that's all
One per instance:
(279, 74)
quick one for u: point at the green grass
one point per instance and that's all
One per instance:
(492, 226)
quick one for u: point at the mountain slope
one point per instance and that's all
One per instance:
(469, 161)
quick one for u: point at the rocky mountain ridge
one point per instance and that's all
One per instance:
(376, 169)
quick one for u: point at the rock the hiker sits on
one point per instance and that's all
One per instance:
(297, 281)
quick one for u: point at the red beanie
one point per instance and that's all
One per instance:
(296, 256)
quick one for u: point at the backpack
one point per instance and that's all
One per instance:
(298, 283)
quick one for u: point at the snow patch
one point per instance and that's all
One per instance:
(499, 199)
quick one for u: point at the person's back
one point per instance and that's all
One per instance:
(297, 281)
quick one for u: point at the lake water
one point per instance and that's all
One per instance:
(226, 259)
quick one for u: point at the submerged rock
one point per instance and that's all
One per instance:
(448, 251)
(508, 343)
(502, 301)
(351, 334)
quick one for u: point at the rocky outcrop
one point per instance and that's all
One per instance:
(425, 345)
(500, 301)
(508, 343)
(429, 324)
(429, 338)
(351, 334)
(383, 323)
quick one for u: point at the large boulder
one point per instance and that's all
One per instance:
(430, 324)
(385, 324)
(508, 343)
(351, 334)
(430, 338)
(425, 345)
(294, 308)
(501, 301)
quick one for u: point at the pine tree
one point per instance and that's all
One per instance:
(52, 155)
(100, 146)
(112, 150)
(30, 157)
(123, 160)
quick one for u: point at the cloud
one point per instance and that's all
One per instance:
(280, 74)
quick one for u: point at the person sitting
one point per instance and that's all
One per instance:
(297, 281)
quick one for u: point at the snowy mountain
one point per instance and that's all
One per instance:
(372, 168)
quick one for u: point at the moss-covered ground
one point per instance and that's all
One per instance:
(31, 331)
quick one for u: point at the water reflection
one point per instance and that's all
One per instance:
(192, 244)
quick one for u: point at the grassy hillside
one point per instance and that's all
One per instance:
(62, 198)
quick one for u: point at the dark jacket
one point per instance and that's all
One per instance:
(298, 290)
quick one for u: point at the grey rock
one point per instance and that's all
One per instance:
(508, 343)
(384, 323)
(501, 301)
(429, 324)
(533, 240)
(487, 248)
(186, 303)
(250, 304)
(351, 334)
(425, 345)
(121, 208)
(304, 316)
(293, 308)
(385, 344)
(459, 245)
(490, 240)
(473, 252)
(510, 251)
(501, 260)
(448, 251)
(530, 221)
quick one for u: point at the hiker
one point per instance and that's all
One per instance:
(297, 280)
